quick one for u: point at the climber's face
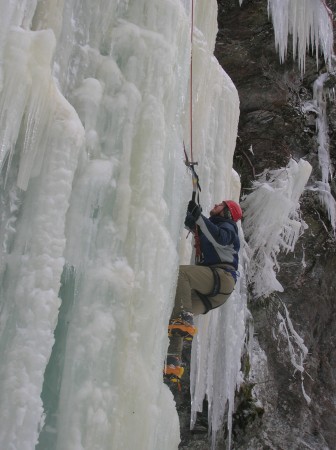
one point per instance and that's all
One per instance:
(217, 209)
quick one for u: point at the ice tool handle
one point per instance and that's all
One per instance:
(195, 193)
(195, 183)
(195, 179)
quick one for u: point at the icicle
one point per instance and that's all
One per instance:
(28, 81)
(310, 24)
(295, 344)
(318, 106)
(323, 186)
(272, 222)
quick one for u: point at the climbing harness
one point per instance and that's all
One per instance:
(215, 291)
(216, 288)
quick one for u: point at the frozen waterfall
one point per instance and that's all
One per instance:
(94, 110)
(93, 193)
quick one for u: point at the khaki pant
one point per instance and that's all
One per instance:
(193, 279)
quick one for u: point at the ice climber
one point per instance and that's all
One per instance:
(209, 283)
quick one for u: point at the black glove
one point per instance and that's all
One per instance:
(194, 209)
(190, 222)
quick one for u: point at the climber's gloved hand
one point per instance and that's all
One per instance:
(190, 222)
(194, 210)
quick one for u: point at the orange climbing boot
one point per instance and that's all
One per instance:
(173, 370)
(182, 326)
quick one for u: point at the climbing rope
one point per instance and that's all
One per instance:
(191, 80)
(191, 163)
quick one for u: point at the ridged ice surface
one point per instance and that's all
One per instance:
(94, 109)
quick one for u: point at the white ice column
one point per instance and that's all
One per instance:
(32, 262)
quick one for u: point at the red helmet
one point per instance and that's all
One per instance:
(235, 210)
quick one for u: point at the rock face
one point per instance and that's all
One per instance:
(273, 409)
(271, 121)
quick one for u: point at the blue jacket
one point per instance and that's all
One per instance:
(219, 241)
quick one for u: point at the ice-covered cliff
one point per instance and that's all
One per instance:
(94, 112)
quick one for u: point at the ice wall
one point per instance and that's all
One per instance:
(93, 109)
(41, 136)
